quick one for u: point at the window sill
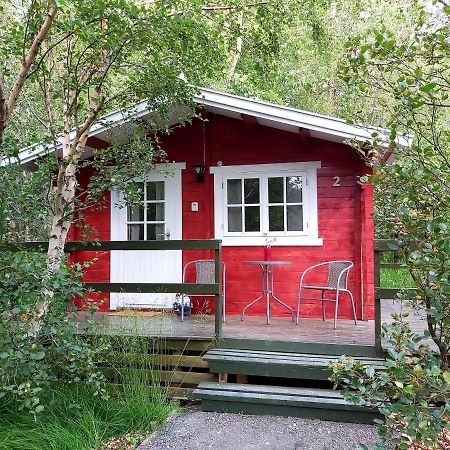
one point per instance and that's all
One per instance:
(260, 241)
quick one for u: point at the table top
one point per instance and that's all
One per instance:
(268, 263)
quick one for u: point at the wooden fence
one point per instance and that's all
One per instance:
(380, 247)
(171, 288)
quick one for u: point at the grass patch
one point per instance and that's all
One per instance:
(396, 278)
(77, 420)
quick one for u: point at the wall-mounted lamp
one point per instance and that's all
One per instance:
(199, 172)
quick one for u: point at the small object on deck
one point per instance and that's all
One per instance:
(184, 308)
(336, 281)
(267, 286)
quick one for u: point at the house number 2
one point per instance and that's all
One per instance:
(336, 181)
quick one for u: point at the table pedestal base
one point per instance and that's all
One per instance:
(267, 292)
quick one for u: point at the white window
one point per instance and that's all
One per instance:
(259, 202)
(146, 219)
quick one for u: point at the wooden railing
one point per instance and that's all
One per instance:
(171, 288)
(382, 246)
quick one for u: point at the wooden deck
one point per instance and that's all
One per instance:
(253, 327)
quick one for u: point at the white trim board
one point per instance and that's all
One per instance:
(276, 116)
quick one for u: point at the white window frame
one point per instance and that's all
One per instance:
(309, 235)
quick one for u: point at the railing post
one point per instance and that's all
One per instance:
(377, 273)
(218, 296)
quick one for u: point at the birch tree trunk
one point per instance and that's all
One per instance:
(64, 203)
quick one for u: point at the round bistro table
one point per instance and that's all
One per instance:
(267, 268)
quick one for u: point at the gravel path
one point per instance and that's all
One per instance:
(203, 430)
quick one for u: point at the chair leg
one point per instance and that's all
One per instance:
(323, 307)
(298, 307)
(336, 309)
(353, 306)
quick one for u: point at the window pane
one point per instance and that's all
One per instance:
(155, 232)
(295, 218)
(234, 192)
(252, 218)
(155, 212)
(135, 232)
(294, 189)
(155, 190)
(276, 190)
(135, 213)
(251, 190)
(235, 219)
(276, 218)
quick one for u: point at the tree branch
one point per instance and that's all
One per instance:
(3, 109)
(30, 57)
(238, 50)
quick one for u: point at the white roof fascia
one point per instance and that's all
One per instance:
(290, 116)
(111, 120)
(241, 105)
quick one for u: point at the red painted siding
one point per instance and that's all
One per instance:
(344, 213)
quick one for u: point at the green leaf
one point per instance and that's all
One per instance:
(428, 87)
(39, 408)
(38, 355)
(446, 376)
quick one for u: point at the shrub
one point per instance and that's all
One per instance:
(30, 363)
(413, 392)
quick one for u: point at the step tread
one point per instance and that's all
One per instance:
(222, 352)
(264, 394)
(293, 360)
(282, 361)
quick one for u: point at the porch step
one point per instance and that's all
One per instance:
(281, 401)
(276, 364)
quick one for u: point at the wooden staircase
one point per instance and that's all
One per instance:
(278, 383)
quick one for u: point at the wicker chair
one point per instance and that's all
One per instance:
(204, 274)
(336, 281)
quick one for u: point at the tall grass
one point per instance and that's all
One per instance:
(76, 420)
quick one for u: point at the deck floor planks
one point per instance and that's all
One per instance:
(252, 328)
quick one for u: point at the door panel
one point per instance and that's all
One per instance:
(156, 217)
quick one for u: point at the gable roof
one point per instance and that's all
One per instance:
(268, 114)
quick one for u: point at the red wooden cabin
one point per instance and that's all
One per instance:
(269, 172)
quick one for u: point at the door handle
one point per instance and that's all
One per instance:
(166, 235)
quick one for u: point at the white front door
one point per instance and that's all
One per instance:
(158, 216)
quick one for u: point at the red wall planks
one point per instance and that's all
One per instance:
(344, 212)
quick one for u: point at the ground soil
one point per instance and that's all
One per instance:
(196, 430)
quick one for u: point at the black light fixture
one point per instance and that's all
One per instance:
(199, 172)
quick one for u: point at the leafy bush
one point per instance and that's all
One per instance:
(30, 363)
(413, 392)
